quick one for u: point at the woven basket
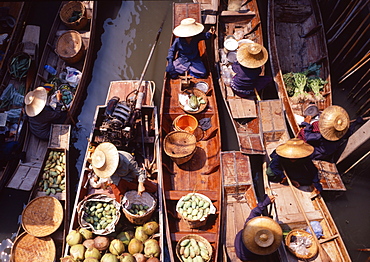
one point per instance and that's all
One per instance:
(131, 197)
(70, 47)
(27, 248)
(67, 11)
(196, 223)
(180, 146)
(312, 250)
(42, 216)
(197, 93)
(101, 198)
(198, 238)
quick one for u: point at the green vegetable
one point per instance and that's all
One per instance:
(316, 85)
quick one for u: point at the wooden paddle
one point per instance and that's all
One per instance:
(325, 257)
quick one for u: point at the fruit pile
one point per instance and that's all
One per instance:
(53, 178)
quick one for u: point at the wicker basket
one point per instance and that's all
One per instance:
(198, 238)
(180, 146)
(197, 93)
(131, 197)
(82, 214)
(67, 11)
(27, 248)
(70, 47)
(312, 250)
(42, 216)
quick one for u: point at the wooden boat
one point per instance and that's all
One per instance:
(297, 40)
(143, 140)
(242, 25)
(38, 172)
(201, 174)
(59, 55)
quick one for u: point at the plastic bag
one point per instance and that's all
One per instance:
(316, 228)
(73, 76)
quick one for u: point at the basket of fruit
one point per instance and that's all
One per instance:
(195, 247)
(138, 209)
(195, 209)
(193, 100)
(98, 213)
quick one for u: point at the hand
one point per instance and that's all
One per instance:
(272, 198)
(296, 184)
(59, 95)
(308, 119)
(140, 188)
(212, 30)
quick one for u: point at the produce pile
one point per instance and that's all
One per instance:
(306, 85)
(100, 214)
(53, 178)
(192, 250)
(138, 209)
(195, 206)
(127, 246)
(191, 102)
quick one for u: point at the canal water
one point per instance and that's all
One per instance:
(125, 34)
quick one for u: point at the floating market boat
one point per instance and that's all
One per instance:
(131, 130)
(190, 155)
(69, 50)
(238, 25)
(298, 54)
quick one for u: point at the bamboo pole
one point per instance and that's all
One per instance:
(358, 161)
(355, 86)
(361, 51)
(363, 95)
(354, 68)
(343, 13)
(363, 106)
(333, 11)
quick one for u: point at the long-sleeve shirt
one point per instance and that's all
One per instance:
(128, 169)
(302, 170)
(240, 249)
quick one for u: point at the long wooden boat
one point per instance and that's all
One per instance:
(42, 181)
(142, 139)
(243, 24)
(201, 174)
(296, 40)
(80, 59)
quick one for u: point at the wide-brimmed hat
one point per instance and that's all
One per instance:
(252, 55)
(188, 27)
(334, 123)
(105, 160)
(262, 235)
(35, 101)
(294, 148)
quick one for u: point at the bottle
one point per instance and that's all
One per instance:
(51, 70)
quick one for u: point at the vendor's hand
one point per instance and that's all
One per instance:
(308, 119)
(272, 198)
(140, 188)
(59, 95)
(296, 184)
(212, 30)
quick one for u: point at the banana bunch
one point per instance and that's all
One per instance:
(53, 178)
(192, 250)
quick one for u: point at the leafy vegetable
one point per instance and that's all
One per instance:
(316, 85)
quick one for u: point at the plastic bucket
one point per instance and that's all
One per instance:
(186, 123)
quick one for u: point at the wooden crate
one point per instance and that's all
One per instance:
(59, 136)
(272, 124)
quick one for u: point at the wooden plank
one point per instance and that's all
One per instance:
(24, 178)
(59, 136)
(236, 13)
(330, 178)
(242, 108)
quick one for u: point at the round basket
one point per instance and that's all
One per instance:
(195, 223)
(186, 123)
(70, 47)
(132, 197)
(18, 65)
(84, 215)
(68, 11)
(311, 250)
(198, 238)
(180, 146)
(42, 216)
(197, 93)
(27, 248)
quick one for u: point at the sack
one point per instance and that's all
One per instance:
(73, 76)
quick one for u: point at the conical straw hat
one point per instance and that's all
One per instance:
(35, 101)
(105, 160)
(333, 123)
(294, 148)
(262, 235)
(188, 27)
(252, 55)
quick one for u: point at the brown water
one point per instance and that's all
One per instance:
(126, 33)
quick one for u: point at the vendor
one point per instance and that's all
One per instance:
(293, 158)
(122, 169)
(260, 236)
(250, 58)
(40, 115)
(184, 55)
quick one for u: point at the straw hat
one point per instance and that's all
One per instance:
(188, 27)
(262, 235)
(334, 123)
(294, 148)
(35, 101)
(252, 55)
(105, 160)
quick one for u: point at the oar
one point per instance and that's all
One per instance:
(325, 257)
